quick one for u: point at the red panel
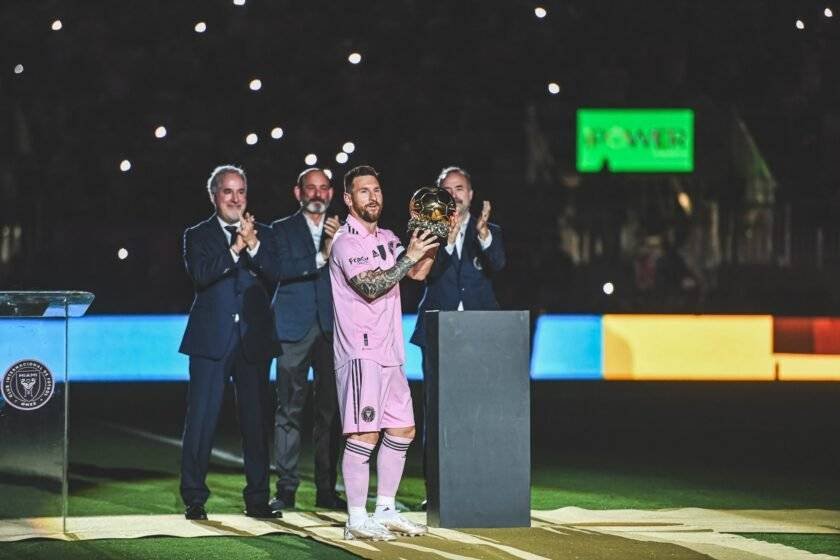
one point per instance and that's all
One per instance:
(826, 335)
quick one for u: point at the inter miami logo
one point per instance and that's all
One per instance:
(368, 414)
(28, 385)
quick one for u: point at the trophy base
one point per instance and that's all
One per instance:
(439, 229)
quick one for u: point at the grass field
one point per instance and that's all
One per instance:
(596, 446)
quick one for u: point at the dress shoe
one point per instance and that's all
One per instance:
(285, 499)
(263, 511)
(330, 500)
(195, 512)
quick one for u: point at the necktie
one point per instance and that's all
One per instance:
(232, 231)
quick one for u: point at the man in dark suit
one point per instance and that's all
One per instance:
(230, 259)
(303, 319)
(461, 275)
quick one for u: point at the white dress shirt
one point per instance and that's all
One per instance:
(317, 231)
(459, 246)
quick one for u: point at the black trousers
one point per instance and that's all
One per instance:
(315, 349)
(204, 402)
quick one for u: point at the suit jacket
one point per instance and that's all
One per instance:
(303, 295)
(231, 298)
(468, 279)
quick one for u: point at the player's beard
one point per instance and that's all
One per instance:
(368, 213)
(314, 205)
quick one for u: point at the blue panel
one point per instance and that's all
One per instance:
(135, 348)
(567, 347)
(33, 339)
(127, 348)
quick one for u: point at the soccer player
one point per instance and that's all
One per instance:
(366, 265)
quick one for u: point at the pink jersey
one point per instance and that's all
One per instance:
(367, 330)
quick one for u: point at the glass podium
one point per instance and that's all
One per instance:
(34, 401)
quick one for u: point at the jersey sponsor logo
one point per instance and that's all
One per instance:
(358, 260)
(368, 414)
(28, 385)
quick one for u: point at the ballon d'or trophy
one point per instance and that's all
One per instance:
(431, 209)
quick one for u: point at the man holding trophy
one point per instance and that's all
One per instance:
(366, 265)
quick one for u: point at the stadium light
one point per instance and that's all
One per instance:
(328, 172)
(200, 27)
(255, 84)
(553, 88)
(348, 147)
(540, 12)
(608, 288)
(828, 12)
(341, 157)
(354, 58)
(57, 25)
(238, 2)
(252, 139)
(19, 69)
(125, 165)
(277, 133)
(310, 159)
(122, 254)
(160, 132)
(800, 24)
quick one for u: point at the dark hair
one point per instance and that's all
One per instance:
(308, 170)
(360, 171)
(452, 169)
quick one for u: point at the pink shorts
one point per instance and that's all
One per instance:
(372, 397)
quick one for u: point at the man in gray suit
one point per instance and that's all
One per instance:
(303, 318)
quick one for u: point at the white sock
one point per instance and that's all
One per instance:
(358, 515)
(383, 503)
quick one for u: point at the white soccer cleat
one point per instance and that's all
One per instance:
(370, 530)
(396, 523)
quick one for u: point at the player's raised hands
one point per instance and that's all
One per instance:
(481, 224)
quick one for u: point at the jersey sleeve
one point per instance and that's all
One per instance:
(350, 257)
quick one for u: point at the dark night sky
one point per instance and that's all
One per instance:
(439, 83)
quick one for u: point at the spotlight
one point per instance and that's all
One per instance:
(251, 139)
(277, 133)
(122, 254)
(608, 288)
(255, 85)
(19, 69)
(348, 147)
(200, 27)
(354, 58)
(800, 24)
(341, 157)
(238, 2)
(328, 173)
(540, 12)
(310, 159)
(828, 12)
(125, 165)
(160, 132)
(57, 25)
(553, 88)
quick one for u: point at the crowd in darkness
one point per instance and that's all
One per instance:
(440, 83)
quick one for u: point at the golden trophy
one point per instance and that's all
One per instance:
(431, 209)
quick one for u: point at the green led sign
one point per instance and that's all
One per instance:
(635, 140)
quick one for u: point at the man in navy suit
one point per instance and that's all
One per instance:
(303, 319)
(462, 273)
(230, 259)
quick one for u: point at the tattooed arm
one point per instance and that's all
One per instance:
(373, 283)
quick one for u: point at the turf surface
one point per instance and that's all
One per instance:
(597, 446)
